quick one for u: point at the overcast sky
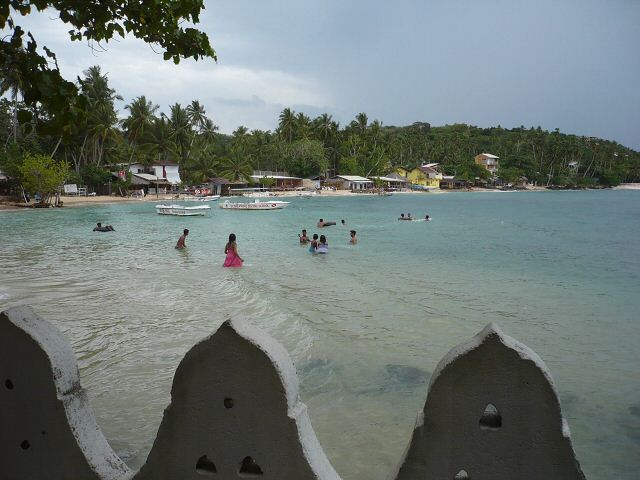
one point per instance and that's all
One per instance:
(570, 64)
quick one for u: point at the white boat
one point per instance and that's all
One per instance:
(182, 211)
(255, 205)
(207, 198)
(306, 194)
(259, 194)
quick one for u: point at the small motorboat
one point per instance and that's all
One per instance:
(255, 205)
(207, 198)
(182, 211)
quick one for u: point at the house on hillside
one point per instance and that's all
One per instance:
(488, 161)
(352, 182)
(427, 175)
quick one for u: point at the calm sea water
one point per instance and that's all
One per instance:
(366, 324)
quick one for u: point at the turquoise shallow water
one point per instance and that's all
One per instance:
(365, 325)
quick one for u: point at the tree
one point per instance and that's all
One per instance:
(236, 167)
(163, 23)
(141, 116)
(287, 125)
(42, 174)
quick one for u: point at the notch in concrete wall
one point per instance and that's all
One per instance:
(249, 468)
(204, 466)
(491, 418)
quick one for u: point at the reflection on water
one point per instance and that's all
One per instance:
(365, 324)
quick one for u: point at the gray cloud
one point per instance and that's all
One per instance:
(571, 64)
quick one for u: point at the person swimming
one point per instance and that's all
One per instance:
(303, 237)
(314, 243)
(100, 228)
(427, 218)
(321, 223)
(402, 217)
(231, 249)
(323, 246)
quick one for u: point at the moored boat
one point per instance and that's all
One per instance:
(182, 211)
(255, 205)
(207, 198)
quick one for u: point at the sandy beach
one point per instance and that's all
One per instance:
(10, 203)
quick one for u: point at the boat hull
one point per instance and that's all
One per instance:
(273, 205)
(182, 211)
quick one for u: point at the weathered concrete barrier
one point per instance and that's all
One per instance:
(491, 412)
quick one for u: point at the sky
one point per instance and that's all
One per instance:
(567, 64)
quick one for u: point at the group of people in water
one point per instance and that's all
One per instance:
(409, 217)
(319, 244)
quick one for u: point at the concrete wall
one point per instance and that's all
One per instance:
(491, 412)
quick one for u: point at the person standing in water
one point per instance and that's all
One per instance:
(231, 249)
(303, 238)
(314, 243)
(323, 246)
(353, 239)
(180, 245)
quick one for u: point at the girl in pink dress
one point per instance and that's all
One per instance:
(233, 259)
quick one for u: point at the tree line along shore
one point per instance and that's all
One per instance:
(102, 137)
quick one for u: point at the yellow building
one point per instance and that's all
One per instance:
(427, 175)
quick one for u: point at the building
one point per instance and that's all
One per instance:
(488, 161)
(452, 183)
(427, 175)
(392, 181)
(166, 170)
(352, 182)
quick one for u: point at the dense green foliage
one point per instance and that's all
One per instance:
(301, 145)
(43, 175)
(34, 73)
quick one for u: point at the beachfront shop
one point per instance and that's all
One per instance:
(352, 182)
(392, 182)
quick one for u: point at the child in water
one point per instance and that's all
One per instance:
(314, 243)
(353, 239)
(303, 238)
(231, 249)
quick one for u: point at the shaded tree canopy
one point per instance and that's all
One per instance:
(35, 72)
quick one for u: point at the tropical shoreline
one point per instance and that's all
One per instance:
(9, 203)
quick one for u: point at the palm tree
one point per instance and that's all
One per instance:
(208, 133)
(202, 168)
(11, 81)
(240, 138)
(236, 167)
(303, 126)
(181, 132)
(196, 115)
(287, 125)
(323, 127)
(159, 141)
(141, 117)
(103, 117)
(361, 122)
